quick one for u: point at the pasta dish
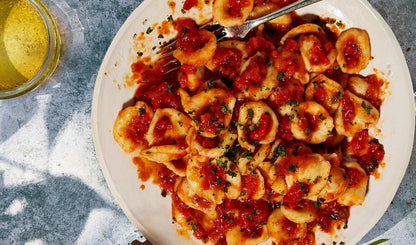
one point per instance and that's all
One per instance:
(263, 138)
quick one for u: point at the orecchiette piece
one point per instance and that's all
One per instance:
(273, 178)
(210, 147)
(247, 161)
(301, 29)
(228, 58)
(317, 55)
(201, 55)
(231, 15)
(257, 78)
(311, 169)
(357, 187)
(256, 121)
(131, 126)
(252, 185)
(190, 198)
(172, 156)
(325, 91)
(207, 177)
(354, 114)
(311, 123)
(168, 127)
(283, 230)
(354, 50)
(211, 110)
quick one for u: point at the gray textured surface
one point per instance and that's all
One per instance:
(51, 188)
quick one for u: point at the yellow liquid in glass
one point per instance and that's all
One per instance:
(23, 42)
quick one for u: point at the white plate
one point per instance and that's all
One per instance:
(150, 212)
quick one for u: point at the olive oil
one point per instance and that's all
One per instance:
(23, 42)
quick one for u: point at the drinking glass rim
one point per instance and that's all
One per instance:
(51, 59)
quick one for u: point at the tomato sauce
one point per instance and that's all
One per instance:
(320, 94)
(235, 7)
(190, 38)
(227, 62)
(162, 126)
(295, 194)
(190, 4)
(137, 128)
(160, 96)
(367, 150)
(250, 184)
(348, 110)
(331, 216)
(212, 118)
(284, 129)
(318, 55)
(287, 92)
(260, 130)
(253, 75)
(208, 142)
(352, 52)
(213, 177)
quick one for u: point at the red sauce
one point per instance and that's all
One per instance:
(208, 142)
(331, 215)
(213, 177)
(290, 91)
(261, 130)
(227, 62)
(260, 44)
(284, 129)
(250, 184)
(253, 75)
(182, 207)
(295, 194)
(190, 4)
(180, 163)
(162, 126)
(335, 73)
(190, 38)
(212, 118)
(137, 128)
(312, 121)
(160, 96)
(318, 54)
(352, 52)
(166, 179)
(348, 110)
(287, 64)
(320, 94)
(235, 7)
(367, 150)
(355, 176)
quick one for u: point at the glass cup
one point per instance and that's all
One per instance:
(29, 46)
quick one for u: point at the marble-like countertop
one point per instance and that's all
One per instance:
(52, 190)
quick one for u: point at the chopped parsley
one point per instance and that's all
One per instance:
(194, 227)
(250, 113)
(170, 89)
(149, 30)
(280, 76)
(366, 108)
(142, 111)
(224, 108)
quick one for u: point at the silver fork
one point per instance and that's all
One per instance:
(234, 31)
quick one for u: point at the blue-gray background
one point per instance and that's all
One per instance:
(51, 187)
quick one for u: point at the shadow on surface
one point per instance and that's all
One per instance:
(54, 210)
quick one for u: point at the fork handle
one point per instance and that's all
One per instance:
(287, 9)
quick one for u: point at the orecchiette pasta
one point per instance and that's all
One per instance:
(266, 137)
(354, 114)
(231, 12)
(131, 125)
(311, 123)
(257, 122)
(354, 51)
